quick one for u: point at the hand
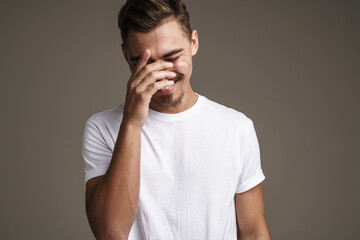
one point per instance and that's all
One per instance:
(142, 85)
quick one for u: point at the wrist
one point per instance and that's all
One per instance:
(131, 127)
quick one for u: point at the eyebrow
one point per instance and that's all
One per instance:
(173, 52)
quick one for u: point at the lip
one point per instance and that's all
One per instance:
(167, 91)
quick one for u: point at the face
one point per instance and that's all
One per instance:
(167, 42)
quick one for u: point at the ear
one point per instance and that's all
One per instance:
(194, 42)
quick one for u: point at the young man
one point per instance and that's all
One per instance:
(170, 163)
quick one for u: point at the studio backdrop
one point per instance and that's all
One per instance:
(290, 66)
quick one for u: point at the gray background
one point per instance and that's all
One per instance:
(291, 66)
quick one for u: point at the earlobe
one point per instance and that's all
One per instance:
(194, 42)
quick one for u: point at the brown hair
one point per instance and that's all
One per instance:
(145, 15)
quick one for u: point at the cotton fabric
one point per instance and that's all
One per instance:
(192, 165)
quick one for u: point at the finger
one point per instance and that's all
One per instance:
(155, 66)
(153, 77)
(144, 58)
(155, 86)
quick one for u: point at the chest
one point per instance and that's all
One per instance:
(195, 163)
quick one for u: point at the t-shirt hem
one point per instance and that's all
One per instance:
(252, 182)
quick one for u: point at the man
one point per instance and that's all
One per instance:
(170, 163)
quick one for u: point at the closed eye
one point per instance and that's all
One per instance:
(134, 63)
(151, 61)
(172, 59)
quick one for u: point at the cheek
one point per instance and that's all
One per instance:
(182, 67)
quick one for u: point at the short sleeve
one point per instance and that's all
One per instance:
(251, 173)
(95, 151)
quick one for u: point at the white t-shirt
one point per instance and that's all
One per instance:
(192, 164)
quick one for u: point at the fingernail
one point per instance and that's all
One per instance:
(169, 64)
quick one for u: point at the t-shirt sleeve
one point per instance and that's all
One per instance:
(95, 151)
(251, 173)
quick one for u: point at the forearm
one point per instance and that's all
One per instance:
(113, 205)
(261, 233)
(264, 236)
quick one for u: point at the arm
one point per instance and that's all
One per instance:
(112, 199)
(250, 215)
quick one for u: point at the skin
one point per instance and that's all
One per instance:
(165, 39)
(156, 59)
(250, 215)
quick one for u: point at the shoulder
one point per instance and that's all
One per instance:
(107, 118)
(226, 115)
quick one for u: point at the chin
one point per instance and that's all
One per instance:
(168, 101)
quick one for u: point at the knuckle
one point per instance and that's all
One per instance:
(152, 75)
(147, 68)
(142, 96)
(131, 85)
(137, 91)
(153, 85)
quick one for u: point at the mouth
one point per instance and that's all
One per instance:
(170, 89)
(175, 80)
(178, 77)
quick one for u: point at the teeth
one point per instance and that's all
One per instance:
(165, 88)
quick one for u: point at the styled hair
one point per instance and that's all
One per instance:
(145, 15)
